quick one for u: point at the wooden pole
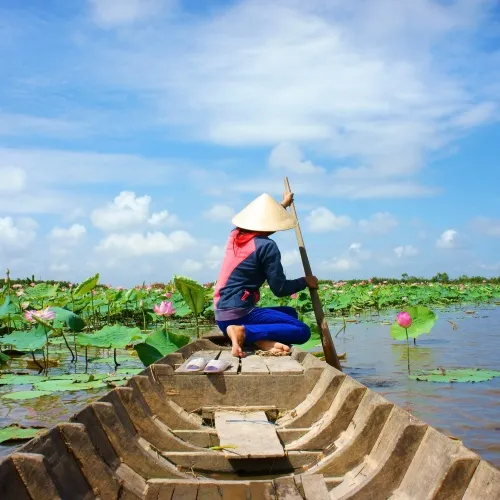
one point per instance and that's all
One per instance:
(326, 339)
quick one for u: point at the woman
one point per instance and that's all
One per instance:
(250, 259)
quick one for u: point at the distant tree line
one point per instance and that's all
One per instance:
(375, 280)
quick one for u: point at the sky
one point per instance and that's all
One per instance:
(131, 131)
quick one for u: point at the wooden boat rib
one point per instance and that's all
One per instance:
(288, 427)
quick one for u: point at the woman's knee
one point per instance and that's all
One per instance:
(290, 311)
(304, 333)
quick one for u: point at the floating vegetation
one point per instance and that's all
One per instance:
(444, 375)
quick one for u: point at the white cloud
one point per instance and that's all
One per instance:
(70, 236)
(379, 223)
(128, 211)
(321, 220)
(448, 239)
(13, 180)
(59, 268)
(349, 260)
(114, 13)
(393, 89)
(17, 234)
(476, 115)
(163, 218)
(341, 264)
(487, 226)
(191, 266)
(356, 250)
(405, 251)
(152, 243)
(12, 124)
(290, 257)
(215, 256)
(287, 156)
(219, 213)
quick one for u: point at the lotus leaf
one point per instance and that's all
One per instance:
(117, 336)
(15, 432)
(65, 385)
(68, 318)
(28, 340)
(3, 358)
(423, 320)
(18, 379)
(192, 292)
(25, 395)
(9, 307)
(86, 286)
(159, 344)
(456, 375)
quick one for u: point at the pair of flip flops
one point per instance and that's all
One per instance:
(207, 365)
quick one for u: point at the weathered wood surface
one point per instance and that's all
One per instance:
(249, 432)
(284, 488)
(198, 354)
(283, 364)
(235, 362)
(361, 445)
(254, 364)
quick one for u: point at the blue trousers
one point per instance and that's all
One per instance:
(280, 324)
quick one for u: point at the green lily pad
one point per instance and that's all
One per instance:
(117, 336)
(19, 379)
(192, 292)
(3, 358)
(423, 320)
(159, 344)
(15, 432)
(86, 286)
(25, 395)
(8, 308)
(29, 340)
(69, 319)
(456, 375)
(65, 385)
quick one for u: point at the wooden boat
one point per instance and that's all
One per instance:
(288, 427)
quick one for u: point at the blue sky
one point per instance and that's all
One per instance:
(132, 130)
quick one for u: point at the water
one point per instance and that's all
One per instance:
(470, 412)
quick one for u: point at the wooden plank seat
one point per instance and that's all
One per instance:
(250, 435)
(249, 365)
(300, 487)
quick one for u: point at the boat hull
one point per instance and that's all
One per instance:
(297, 427)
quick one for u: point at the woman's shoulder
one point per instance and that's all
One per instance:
(265, 243)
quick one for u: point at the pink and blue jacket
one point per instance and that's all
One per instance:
(244, 270)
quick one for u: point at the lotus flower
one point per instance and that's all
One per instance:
(45, 314)
(293, 296)
(404, 320)
(164, 309)
(168, 295)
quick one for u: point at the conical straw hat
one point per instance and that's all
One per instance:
(264, 214)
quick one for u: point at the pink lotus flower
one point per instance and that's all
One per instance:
(293, 296)
(164, 309)
(17, 285)
(45, 314)
(32, 284)
(167, 295)
(404, 320)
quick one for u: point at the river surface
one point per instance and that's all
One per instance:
(467, 411)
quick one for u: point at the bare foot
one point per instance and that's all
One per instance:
(271, 345)
(237, 335)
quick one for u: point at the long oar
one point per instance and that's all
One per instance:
(326, 339)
